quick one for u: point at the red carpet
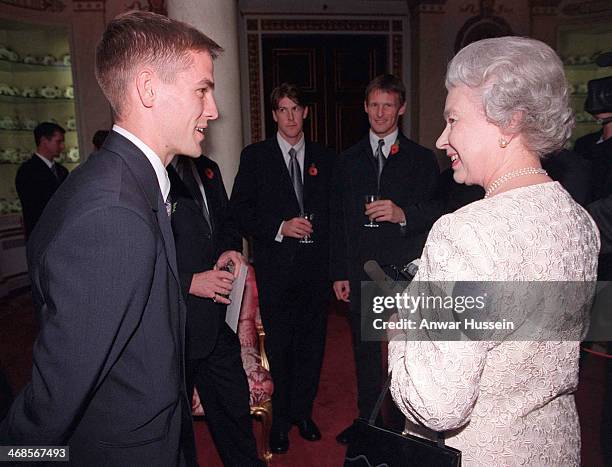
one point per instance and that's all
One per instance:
(335, 404)
(334, 410)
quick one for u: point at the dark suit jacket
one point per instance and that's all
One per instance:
(35, 185)
(585, 144)
(570, 169)
(573, 171)
(108, 376)
(263, 197)
(198, 248)
(601, 208)
(409, 177)
(449, 197)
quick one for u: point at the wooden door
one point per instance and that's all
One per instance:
(333, 71)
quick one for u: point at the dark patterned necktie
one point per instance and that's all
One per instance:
(168, 205)
(296, 177)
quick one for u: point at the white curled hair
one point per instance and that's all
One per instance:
(522, 77)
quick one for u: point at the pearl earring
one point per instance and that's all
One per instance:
(503, 143)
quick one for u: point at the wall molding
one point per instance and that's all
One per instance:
(51, 6)
(256, 25)
(587, 8)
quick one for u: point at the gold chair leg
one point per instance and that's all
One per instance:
(264, 414)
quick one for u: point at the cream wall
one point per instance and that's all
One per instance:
(328, 7)
(437, 30)
(344, 11)
(219, 20)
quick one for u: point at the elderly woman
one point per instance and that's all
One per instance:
(511, 402)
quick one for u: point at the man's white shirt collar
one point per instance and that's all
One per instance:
(389, 141)
(299, 150)
(45, 160)
(285, 146)
(160, 170)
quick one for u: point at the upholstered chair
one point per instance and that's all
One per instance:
(255, 363)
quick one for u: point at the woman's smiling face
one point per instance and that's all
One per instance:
(468, 138)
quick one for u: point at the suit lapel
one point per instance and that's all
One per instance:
(180, 193)
(309, 174)
(368, 158)
(46, 170)
(402, 152)
(166, 229)
(366, 150)
(210, 184)
(145, 176)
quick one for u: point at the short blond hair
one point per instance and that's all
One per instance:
(141, 37)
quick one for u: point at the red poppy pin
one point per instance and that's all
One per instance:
(209, 174)
(395, 147)
(312, 170)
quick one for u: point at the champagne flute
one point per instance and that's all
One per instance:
(370, 199)
(309, 217)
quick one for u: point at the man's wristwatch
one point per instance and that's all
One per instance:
(402, 224)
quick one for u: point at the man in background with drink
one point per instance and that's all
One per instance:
(394, 173)
(281, 197)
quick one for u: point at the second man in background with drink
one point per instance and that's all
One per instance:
(281, 183)
(398, 173)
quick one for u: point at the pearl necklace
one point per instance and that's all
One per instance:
(493, 187)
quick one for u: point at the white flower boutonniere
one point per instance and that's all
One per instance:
(170, 208)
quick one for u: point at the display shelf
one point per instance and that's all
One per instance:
(7, 180)
(10, 221)
(52, 35)
(69, 165)
(25, 131)
(16, 67)
(581, 67)
(583, 43)
(34, 100)
(7, 216)
(18, 110)
(10, 206)
(13, 165)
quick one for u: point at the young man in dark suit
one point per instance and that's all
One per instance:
(206, 242)
(40, 176)
(402, 173)
(108, 377)
(278, 180)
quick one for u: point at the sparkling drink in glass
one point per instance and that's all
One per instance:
(309, 217)
(370, 199)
